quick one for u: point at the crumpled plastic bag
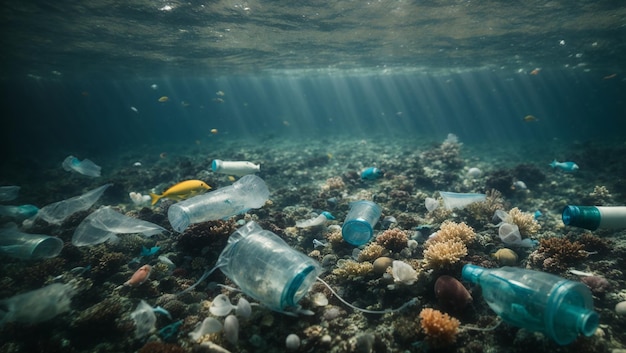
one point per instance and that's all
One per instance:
(84, 167)
(104, 225)
(57, 212)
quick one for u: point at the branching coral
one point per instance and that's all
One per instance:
(393, 239)
(557, 254)
(443, 254)
(371, 252)
(480, 213)
(352, 269)
(334, 183)
(447, 247)
(455, 231)
(440, 329)
(525, 222)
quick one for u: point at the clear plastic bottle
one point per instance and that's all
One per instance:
(248, 192)
(537, 301)
(267, 269)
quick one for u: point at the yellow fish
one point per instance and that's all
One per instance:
(183, 190)
(530, 118)
(164, 99)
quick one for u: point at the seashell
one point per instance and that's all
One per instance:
(506, 257)
(319, 299)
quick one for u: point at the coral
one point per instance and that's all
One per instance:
(334, 183)
(334, 237)
(557, 254)
(352, 269)
(442, 254)
(100, 317)
(108, 264)
(371, 252)
(455, 231)
(597, 284)
(526, 222)
(160, 347)
(211, 233)
(594, 243)
(440, 329)
(393, 239)
(598, 197)
(480, 213)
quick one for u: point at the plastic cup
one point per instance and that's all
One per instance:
(358, 228)
(509, 233)
(28, 246)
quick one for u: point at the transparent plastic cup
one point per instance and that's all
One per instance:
(28, 246)
(358, 227)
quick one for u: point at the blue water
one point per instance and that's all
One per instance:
(95, 116)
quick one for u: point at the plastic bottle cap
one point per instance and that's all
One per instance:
(587, 217)
(216, 165)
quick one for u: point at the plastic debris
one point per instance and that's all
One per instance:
(27, 246)
(169, 332)
(84, 167)
(57, 212)
(452, 200)
(144, 319)
(19, 212)
(149, 252)
(38, 305)
(403, 273)
(105, 223)
(208, 326)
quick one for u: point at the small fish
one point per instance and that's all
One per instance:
(220, 93)
(537, 214)
(519, 185)
(183, 190)
(214, 131)
(160, 310)
(134, 109)
(535, 71)
(564, 166)
(530, 118)
(154, 86)
(140, 276)
(317, 243)
(149, 252)
(371, 173)
(164, 99)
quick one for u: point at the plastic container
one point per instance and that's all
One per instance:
(537, 301)
(28, 246)
(452, 200)
(594, 217)
(84, 167)
(237, 168)
(248, 192)
(266, 268)
(358, 228)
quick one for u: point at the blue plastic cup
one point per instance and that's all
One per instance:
(358, 228)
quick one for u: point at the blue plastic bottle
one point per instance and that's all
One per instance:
(594, 217)
(537, 301)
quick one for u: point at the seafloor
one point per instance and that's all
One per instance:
(305, 178)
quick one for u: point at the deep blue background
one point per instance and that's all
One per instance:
(94, 117)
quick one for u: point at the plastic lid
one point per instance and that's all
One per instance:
(47, 248)
(471, 273)
(298, 287)
(216, 165)
(587, 217)
(357, 232)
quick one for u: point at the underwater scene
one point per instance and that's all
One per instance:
(313, 176)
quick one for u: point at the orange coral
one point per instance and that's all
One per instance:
(440, 328)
